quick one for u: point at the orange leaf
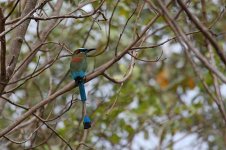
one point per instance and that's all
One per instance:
(191, 83)
(163, 79)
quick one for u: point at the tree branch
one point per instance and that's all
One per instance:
(16, 42)
(3, 47)
(28, 11)
(186, 44)
(127, 74)
(204, 31)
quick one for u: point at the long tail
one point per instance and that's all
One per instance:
(82, 91)
(86, 119)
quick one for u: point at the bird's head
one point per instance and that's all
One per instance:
(83, 50)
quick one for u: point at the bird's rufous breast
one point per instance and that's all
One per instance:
(76, 59)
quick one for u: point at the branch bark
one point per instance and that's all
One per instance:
(19, 72)
(3, 46)
(17, 41)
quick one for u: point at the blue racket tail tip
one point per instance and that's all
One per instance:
(86, 122)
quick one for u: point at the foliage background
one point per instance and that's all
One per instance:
(161, 105)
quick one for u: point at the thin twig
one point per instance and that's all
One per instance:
(127, 74)
(109, 25)
(124, 27)
(156, 60)
(43, 121)
(24, 18)
(27, 139)
(7, 16)
(32, 75)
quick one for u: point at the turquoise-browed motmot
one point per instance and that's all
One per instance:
(78, 68)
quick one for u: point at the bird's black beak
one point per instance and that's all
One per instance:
(90, 49)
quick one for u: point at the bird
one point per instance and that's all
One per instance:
(78, 68)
